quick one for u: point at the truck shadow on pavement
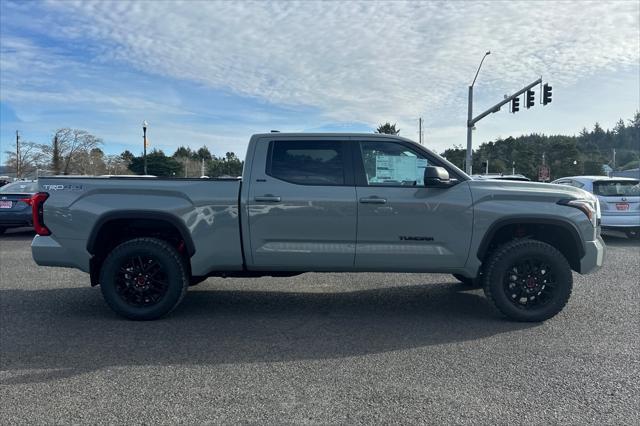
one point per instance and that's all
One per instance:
(54, 334)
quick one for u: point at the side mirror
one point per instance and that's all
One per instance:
(436, 177)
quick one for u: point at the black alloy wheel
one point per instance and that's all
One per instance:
(141, 280)
(529, 283)
(144, 278)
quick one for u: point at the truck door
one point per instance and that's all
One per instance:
(302, 206)
(401, 224)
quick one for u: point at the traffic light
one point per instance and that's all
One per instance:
(515, 105)
(529, 99)
(546, 94)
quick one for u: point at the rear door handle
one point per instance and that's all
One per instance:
(373, 200)
(267, 199)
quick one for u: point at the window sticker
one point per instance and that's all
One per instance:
(399, 169)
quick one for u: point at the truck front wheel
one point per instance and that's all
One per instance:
(143, 279)
(528, 280)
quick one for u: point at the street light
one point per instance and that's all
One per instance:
(470, 116)
(144, 138)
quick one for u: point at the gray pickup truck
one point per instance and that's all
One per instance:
(324, 203)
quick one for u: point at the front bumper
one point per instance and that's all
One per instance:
(594, 255)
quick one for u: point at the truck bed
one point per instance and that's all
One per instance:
(204, 209)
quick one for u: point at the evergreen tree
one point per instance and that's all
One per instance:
(388, 128)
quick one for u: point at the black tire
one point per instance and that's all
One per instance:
(469, 282)
(143, 279)
(528, 280)
(633, 234)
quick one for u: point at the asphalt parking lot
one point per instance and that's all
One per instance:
(318, 348)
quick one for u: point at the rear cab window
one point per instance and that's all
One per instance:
(307, 162)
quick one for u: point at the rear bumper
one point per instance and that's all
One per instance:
(620, 221)
(15, 219)
(47, 251)
(593, 256)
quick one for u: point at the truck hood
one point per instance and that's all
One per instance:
(496, 188)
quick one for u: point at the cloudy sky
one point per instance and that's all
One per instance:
(207, 73)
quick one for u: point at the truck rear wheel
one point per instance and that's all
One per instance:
(143, 279)
(528, 280)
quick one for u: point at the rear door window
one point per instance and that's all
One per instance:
(307, 162)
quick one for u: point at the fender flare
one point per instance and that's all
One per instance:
(500, 223)
(141, 214)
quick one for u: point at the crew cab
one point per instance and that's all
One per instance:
(323, 203)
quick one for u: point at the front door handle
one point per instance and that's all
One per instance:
(267, 199)
(373, 200)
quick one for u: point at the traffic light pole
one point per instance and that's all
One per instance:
(472, 121)
(469, 159)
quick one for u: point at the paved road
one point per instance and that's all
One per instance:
(319, 348)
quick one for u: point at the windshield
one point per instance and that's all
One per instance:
(20, 187)
(612, 188)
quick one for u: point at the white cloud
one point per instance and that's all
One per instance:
(365, 62)
(352, 62)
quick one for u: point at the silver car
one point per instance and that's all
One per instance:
(619, 200)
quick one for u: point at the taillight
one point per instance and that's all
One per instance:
(37, 209)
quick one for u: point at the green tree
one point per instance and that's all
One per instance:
(229, 165)
(204, 154)
(56, 159)
(183, 152)
(388, 128)
(158, 164)
(127, 156)
(455, 155)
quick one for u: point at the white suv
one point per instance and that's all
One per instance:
(619, 200)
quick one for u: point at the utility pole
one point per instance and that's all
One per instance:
(420, 129)
(202, 168)
(614, 160)
(486, 170)
(144, 137)
(513, 167)
(17, 154)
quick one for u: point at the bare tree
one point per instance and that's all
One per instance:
(31, 158)
(74, 147)
(117, 164)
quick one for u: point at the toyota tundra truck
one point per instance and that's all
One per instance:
(320, 203)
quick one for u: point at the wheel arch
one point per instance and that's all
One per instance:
(566, 237)
(168, 218)
(115, 227)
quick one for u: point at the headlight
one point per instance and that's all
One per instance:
(591, 208)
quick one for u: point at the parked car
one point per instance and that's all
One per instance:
(619, 199)
(15, 211)
(320, 202)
